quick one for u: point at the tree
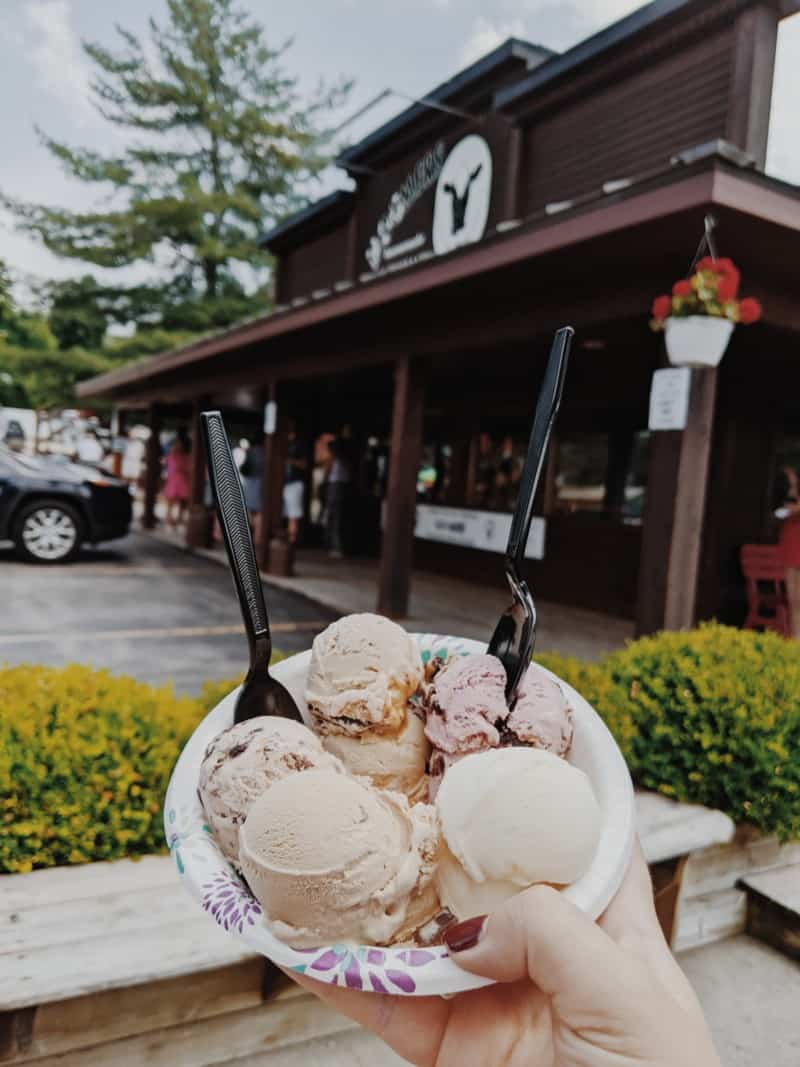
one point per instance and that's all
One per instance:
(77, 317)
(48, 378)
(19, 328)
(223, 149)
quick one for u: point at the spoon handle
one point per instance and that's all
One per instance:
(546, 411)
(227, 489)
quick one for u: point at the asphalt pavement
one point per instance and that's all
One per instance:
(140, 607)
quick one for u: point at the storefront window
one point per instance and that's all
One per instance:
(581, 472)
(498, 461)
(435, 472)
(636, 479)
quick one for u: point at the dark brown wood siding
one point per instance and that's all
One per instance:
(629, 127)
(317, 264)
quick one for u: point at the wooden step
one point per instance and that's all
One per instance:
(773, 908)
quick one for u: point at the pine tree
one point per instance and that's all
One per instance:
(221, 148)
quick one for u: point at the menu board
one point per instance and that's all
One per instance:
(669, 398)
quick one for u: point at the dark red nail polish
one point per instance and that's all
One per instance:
(464, 935)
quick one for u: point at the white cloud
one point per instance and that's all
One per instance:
(55, 52)
(486, 35)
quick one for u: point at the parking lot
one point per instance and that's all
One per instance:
(140, 607)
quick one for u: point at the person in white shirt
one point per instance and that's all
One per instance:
(90, 450)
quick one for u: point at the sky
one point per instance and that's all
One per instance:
(407, 45)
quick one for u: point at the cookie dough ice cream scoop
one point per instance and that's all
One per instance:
(363, 671)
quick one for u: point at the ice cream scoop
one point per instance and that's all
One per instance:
(466, 711)
(332, 859)
(363, 670)
(245, 760)
(541, 716)
(512, 817)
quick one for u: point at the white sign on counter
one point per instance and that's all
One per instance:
(669, 398)
(484, 530)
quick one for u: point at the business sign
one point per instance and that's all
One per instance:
(459, 210)
(484, 530)
(669, 398)
(463, 192)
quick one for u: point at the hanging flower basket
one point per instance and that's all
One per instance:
(697, 341)
(699, 317)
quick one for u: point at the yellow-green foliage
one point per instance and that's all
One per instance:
(711, 716)
(213, 692)
(85, 758)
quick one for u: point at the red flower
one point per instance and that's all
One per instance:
(706, 263)
(662, 305)
(749, 310)
(724, 266)
(682, 288)
(728, 287)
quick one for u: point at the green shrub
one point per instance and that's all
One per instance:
(85, 758)
(711, 716)
(213, 692)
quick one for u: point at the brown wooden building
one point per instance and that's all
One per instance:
(413, 316)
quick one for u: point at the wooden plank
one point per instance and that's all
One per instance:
(82, 1022)
(773, 923)
(750, 93)
(92, 880)
(668, 829)
(217, 1040)
(782, 884)
(707, 918)
(394, 583)
(77, 968)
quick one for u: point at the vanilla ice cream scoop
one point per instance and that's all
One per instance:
(511, 817)
(363, 670)
(243, 761)
(332, 859)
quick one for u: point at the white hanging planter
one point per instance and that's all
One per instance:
(697, 341)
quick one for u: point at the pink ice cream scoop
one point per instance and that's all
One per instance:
(541, 717)
(467, 712)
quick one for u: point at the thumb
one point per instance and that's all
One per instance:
(541, 935)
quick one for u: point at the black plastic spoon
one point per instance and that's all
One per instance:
(261, 694)
(513, 639)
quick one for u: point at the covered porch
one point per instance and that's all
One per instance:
(429, 360)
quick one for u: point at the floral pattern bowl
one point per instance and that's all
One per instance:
(401, 970)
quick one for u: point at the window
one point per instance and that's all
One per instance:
(581, 472)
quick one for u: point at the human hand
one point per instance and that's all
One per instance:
(570, 993)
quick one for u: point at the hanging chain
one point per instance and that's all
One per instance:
(706, 242)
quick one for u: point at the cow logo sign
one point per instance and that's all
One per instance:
(463, 192)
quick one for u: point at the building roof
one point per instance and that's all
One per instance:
(335, 205)
(704, 178)
(513, 48)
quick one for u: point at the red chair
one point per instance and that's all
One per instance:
(765, 579)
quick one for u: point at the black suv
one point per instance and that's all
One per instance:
(49, 508)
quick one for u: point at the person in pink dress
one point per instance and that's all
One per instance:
(178, 464)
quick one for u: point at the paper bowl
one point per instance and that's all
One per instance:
(217, 887)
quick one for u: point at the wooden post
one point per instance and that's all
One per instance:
(750, 99)
(674, 515)
(406, 450)
(512, 207)
(152, 472)
(198, 528)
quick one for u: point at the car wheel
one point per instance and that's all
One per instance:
(48, 531)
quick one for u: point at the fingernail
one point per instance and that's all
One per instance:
(465, 935)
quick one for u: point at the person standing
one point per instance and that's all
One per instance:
(90, 450)
(337, 491)
(252, 472)
(178, 464)
(788, 499)
(294, 489)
